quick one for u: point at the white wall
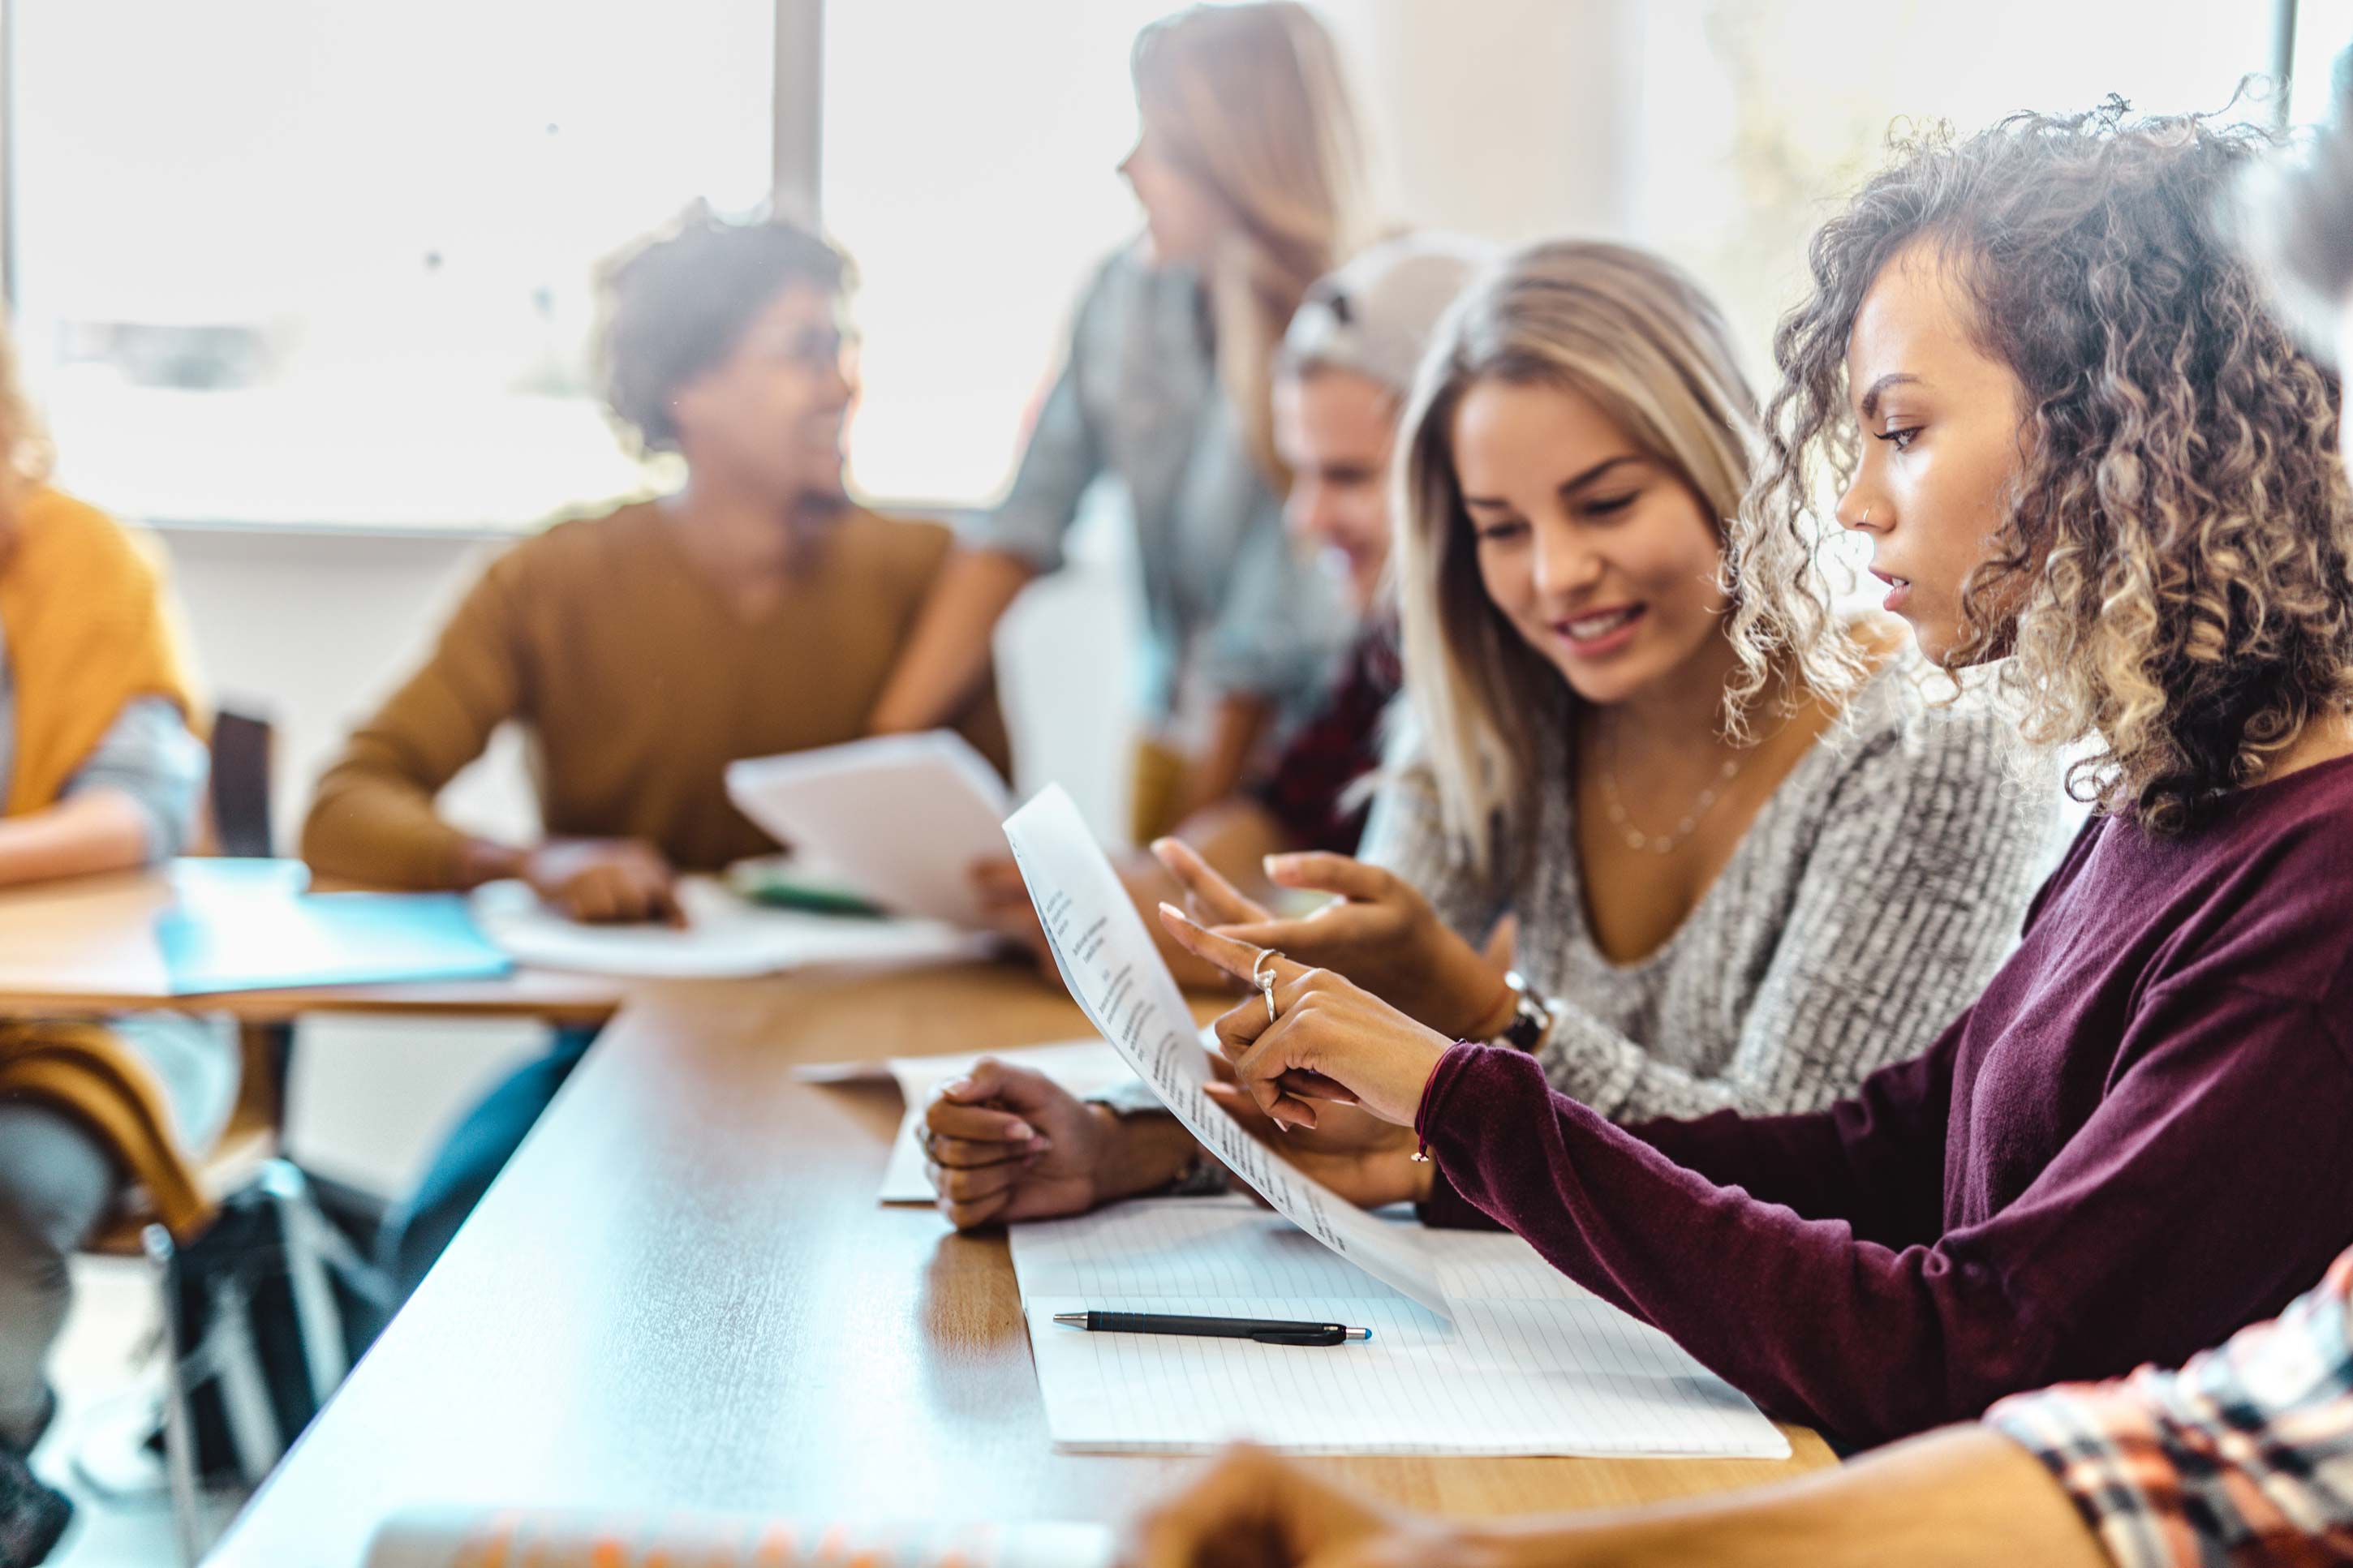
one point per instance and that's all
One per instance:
(1506, 118)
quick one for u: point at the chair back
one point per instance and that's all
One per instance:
(241, 784)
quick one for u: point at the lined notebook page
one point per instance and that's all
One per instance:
(1531, 1363)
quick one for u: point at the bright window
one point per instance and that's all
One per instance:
(970, 170)
(1758, 119)
(286, 261)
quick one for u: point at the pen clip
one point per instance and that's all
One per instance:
(1300, 1337)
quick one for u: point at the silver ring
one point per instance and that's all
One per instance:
(1265, 982)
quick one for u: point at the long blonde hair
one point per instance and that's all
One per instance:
(1250, 100)
(24, 454)
(1639, 337)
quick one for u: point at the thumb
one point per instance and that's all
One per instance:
(1327, 873)
(1015, 1089)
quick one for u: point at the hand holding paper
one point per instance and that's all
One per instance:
(1316, 1035)
(1113, 969)
(900, 818)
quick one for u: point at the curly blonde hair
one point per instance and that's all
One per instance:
(2170, 580)
(24, 454)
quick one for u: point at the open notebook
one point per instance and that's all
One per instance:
(532, 1538)
(1531, 1364)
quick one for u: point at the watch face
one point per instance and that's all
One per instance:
(1528, 1025)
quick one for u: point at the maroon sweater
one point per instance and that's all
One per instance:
(2137, 1141)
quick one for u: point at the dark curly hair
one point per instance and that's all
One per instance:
(2170, 580)
(679, 304)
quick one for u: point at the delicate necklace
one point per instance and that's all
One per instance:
(1664, 843)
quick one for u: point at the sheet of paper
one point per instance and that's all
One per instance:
(486, 1538)
(725, 937)
(1113, 968)
(1532, 1363)
(900, 818)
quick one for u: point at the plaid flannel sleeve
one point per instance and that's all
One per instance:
(2243, 1456)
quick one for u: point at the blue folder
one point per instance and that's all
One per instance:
(250, 925)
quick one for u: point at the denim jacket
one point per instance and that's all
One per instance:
(1226, 599)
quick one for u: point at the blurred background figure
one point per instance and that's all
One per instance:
(755, 610)
(1248, 169)
(100, 771)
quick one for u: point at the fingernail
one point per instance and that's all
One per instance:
(1039, 1146)
(1024, 1133)
(1168, 908)
(958, 1086)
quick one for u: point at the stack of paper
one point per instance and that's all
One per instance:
(725, 937)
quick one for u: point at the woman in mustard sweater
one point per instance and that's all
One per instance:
(99, 772)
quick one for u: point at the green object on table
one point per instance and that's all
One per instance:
(765, 882)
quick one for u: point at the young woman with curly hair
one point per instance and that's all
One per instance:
(2080, 452)
(1835, 891)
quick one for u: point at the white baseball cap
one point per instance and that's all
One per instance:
(1374, 314)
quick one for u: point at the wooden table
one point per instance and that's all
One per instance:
(547, 993)
(86, 946)
(683, 1294)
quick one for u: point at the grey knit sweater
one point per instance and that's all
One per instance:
(1869, 903)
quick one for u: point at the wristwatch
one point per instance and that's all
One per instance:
(1204, 1177)
(1531, 1019)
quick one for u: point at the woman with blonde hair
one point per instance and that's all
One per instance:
(99, 772)
(1711, 915)
(1248, 169)
(2081, 450)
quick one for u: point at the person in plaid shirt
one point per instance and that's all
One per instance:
(2242, 1456)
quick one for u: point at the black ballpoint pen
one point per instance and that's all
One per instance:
(1264, 1330)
